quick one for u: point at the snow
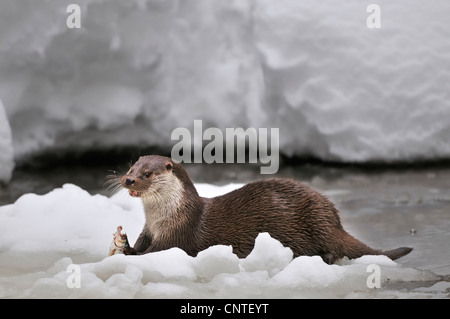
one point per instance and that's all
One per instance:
(6, 147)
(136, 70)
(43, 235)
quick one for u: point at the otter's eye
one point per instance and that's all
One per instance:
(148, 174)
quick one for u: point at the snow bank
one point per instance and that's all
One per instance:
(43, 235)
(136, 70)
(6, 147)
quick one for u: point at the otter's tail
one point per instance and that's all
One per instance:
(397, 253)
(353, 248)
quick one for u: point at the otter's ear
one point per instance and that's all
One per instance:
(169, 166)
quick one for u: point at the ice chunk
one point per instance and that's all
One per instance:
(273, 262)
(309, 272)
(216, 260)
(81, 222)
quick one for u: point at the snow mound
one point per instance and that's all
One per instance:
(218, 273)
(43, 236)
(336, 89)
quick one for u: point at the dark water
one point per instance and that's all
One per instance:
(386, 207)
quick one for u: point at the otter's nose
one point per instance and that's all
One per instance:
(129, 181)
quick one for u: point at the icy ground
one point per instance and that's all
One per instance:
(42, 235)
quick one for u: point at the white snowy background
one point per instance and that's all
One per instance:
(137, 69)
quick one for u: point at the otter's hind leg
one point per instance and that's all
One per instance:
(328, 258)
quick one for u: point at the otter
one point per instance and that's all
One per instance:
(291, 212)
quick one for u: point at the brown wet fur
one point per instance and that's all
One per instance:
(291, 212)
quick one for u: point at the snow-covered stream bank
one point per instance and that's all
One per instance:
(42, 235)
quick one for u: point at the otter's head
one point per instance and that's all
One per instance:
(150, 176)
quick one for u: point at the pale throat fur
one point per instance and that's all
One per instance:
(161, 202)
